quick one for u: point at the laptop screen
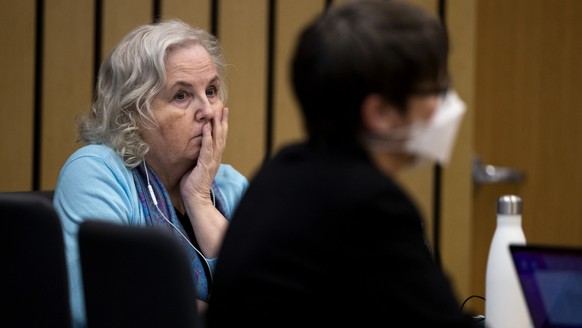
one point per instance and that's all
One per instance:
(551, 281)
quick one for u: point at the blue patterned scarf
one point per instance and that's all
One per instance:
(154, 218)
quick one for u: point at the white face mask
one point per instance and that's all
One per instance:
(432, 140)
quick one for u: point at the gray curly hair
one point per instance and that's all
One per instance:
(130, 77)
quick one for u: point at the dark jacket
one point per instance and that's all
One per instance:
(325, 238)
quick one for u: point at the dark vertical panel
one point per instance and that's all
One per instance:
(214, 17)
(37, 133)
(270, 78)
(328, 3)
(157, 10)
(437, 185)
(442, 11)
(97, 40)
(436, 228)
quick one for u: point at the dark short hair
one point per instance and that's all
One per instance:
(360, 48)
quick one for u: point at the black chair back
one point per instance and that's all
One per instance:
(33, 275)
(135, 277)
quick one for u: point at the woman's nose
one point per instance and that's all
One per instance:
(204, 110)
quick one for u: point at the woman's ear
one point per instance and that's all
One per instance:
(377, 115)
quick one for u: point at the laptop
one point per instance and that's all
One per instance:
(551, 281)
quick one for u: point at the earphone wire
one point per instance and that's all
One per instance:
(153, 196)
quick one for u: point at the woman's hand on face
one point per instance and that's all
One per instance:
(197, 181)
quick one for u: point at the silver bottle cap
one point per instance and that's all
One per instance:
(509, 204)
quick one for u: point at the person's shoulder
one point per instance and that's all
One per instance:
(227, 172)
(232, 185)
(231, 182)
(292, 149)
(94, 182)
(96, 152)
(291, 153)
(96, 159)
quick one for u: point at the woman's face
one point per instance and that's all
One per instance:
(187, 102)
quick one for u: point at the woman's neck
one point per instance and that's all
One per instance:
(171, 181)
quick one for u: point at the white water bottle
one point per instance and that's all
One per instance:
(505, 305)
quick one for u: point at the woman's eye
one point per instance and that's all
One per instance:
(211, 91)
(181, 95)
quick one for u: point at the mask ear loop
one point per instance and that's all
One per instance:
(151, 190)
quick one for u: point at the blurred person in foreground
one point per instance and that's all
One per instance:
(324, 235)
(158, 121)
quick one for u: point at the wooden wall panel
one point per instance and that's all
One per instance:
(528, 114)
(242, 30)
(67, 81)
(420, 181)
(291, 17)
(432, 6)
(17, 25)
(122, 16)
(457, 197)
(527, 73)
(496, 82)
(455, 216)
(193, 12)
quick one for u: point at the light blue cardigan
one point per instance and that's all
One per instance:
(95, 184)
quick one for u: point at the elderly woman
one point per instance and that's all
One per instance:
(154, 140)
